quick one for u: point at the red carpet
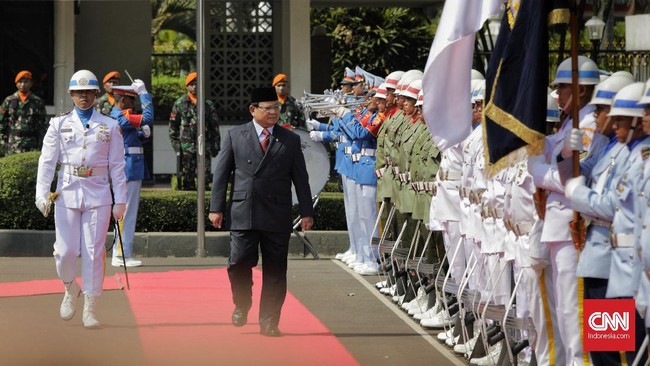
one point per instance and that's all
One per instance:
(184, 313)
(183, 318)
(44, 287)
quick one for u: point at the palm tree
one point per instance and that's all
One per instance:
(176, 15)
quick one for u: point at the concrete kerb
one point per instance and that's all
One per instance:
(35, 243)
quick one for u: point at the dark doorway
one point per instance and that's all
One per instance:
(27, 43)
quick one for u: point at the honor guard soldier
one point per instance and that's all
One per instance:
(183, 132)
(136, 129)
(90, 149)
(604, 169)
(620, 203)
(556, 234)
(292, 113)
(106, 102)
(22, 118)
(347, 82)
(363, 131)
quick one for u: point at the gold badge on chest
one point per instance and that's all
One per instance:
(103, 133)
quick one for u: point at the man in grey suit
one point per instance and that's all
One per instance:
(262, 159)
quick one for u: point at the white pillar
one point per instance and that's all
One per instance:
(296, 15)
(64, 20)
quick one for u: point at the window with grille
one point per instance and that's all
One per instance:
(239, 54)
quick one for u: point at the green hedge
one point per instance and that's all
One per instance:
(166, 89)
(160, 210)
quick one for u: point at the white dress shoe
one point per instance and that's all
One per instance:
(340, 256)
(430, 313)
(442, 336)
(69, 303)
(467, 347)
(381, 284)
(369, 271)
(439, 321)
(359, 266)
(489, 360)
(89, 318)
(452, 341)
(130, 262)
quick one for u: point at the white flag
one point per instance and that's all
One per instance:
(446, 81)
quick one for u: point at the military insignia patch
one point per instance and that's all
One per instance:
(103, 134)
(645, 152)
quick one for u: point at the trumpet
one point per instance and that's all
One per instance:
(327, 108)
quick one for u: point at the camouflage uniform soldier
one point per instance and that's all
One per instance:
(183, 125)
(292, 113)
(22, 119)
(105, 102)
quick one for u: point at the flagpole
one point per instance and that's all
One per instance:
(575, 110)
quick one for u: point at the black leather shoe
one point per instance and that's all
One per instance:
(239, 317)
(270, 331)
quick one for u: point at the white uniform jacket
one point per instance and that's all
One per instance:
(625, 269)
(99, 146)
(546, 175)
(598, 204)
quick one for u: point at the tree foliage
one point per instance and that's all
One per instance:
(379, 40)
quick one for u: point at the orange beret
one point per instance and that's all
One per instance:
(23, 74)
(278, 78)
(112, 75)
(190, 77)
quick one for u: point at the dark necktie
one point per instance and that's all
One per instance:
(265, 140)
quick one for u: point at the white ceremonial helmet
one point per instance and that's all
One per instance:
(83, 80)
(552, 109)
(476, 75)
(606, 90)
(420, 98)
(588, 73)
(413, 89)
(479, 92)
(393, 78)
(406, 79)
(627, 101)
(382, 91)
(646, 94)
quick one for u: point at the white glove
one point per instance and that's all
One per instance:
(341, 111)
(312, 124)
(572, 184)
(138, 86)
(146, 131)
(41, 204)
(316, 136)
(118, 211)
(572, 141)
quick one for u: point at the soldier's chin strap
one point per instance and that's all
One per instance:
(635, 120)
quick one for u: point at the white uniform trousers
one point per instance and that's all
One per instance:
(477, 279)
(82, 232)
(366, 196)
(564, 262)
(350, 205)
(500, 276)
(130, 218)
(452, 239)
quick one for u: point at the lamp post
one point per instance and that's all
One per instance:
(595, 27)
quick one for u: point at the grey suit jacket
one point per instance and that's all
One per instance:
(260, 196)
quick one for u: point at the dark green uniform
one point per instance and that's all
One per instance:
(292, 112)
(183, 129)
(22, 124)
(104, 106)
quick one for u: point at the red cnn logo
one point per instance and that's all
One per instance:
(608, 325)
